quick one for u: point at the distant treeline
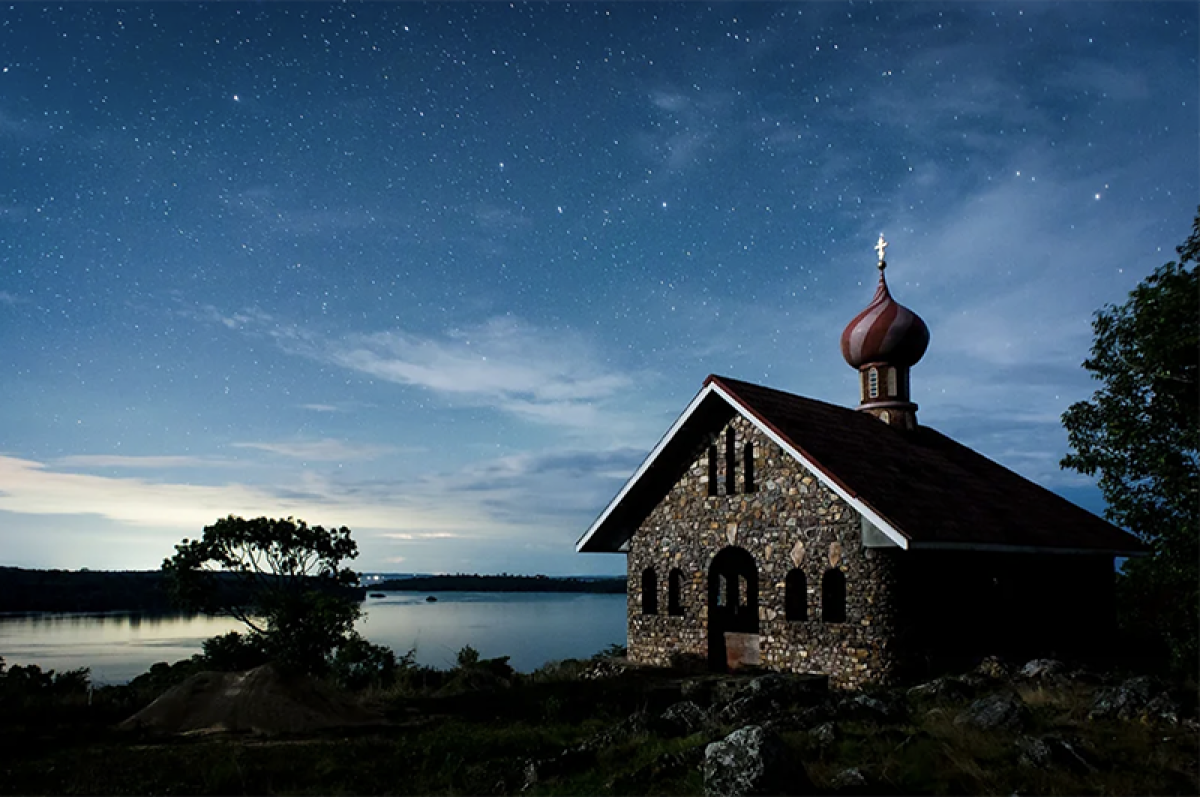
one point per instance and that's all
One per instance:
(502, 583)
(101, 591)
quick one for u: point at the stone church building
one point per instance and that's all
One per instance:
(770, 529)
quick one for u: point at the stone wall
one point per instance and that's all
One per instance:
(791, 520)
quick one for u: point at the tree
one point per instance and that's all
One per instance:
(284, 579)
(1141, 433)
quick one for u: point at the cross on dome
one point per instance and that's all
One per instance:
(880, 247)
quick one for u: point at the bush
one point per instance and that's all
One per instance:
(234, 652)
(359, 664)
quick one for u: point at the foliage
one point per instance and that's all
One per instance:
(30, 685)
(289, 587)
(358, 664)
(1141, 433)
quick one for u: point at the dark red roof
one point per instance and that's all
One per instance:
(926, 487)
(929, 487)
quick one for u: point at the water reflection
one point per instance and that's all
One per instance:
(530, 628)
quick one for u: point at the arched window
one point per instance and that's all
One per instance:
(873, 383)
(833, 596)
(748, 467)
(649, 591)
(730, 461)
(675, 593)
(712, 469)
(795, 596)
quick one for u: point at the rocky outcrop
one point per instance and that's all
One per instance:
(1000, 711)
(752, 761)
(1136, 698)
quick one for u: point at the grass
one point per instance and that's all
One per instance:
(478, 740)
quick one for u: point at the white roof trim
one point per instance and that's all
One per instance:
(646, 463)
(712, 387)
(890, 531)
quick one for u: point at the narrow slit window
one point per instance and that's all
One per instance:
(748, 468)
(833, 596)
(730, 461)
(796, 596)
(873, 383)
(649, 591)
(893, 383)
(712, 470)
(675, 593)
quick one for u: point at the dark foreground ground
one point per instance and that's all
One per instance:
(599, 727)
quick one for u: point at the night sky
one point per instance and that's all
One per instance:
(445, 273)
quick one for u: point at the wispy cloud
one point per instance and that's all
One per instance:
(551, 377)
(543, 498)
(327, 450)
(32, 487)
(148, 462)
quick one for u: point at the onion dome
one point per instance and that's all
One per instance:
(886, 331)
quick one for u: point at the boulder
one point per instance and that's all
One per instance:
(869, 707)
(994, 668)
(682, 719)
(757, 700)
(1041, 669)
(824, 734)
(1053, 752)
(752, 761)
(852, 778)
(1134, 698)
(1000, 711)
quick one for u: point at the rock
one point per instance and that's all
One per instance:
(849, 779)
(824, 734)
(868, 707)
(1133, 698)
(682, 719)
(1039, 669)
(945, 687)
(752, 761)
(758, 700)
(992, 667)
(1162, 708)
(1002, 710)
(1052, 752)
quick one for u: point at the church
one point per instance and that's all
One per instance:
(771, 530)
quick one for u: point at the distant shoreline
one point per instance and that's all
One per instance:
(504, 583)
(88, 591)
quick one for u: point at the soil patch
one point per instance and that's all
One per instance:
(262, 700)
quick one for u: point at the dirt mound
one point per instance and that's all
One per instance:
(262, 700)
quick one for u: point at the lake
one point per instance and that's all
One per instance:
(531, 628)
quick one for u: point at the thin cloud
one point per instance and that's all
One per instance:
(139, 462)
(31, 487)
(327, 450)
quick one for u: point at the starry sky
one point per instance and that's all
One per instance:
(444, 273)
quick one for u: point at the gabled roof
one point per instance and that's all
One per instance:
(919, 488)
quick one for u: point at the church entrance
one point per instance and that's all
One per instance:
(732, 609)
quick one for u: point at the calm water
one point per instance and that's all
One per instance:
(530, 628)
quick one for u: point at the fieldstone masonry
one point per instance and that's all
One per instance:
(789, 521)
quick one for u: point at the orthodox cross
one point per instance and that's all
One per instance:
(880, 248)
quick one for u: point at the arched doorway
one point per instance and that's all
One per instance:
(732, 607)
